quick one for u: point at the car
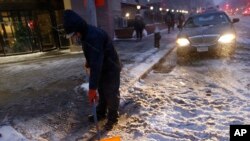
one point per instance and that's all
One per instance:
(246, 12)
(211, 31)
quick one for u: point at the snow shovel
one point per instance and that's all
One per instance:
(95, 120)
(116, 138)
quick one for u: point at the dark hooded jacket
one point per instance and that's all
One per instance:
(100, 54)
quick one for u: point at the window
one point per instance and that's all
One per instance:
(206, 20)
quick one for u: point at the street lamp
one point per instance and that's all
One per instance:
(151, 8)
(172, 10)
(138, 7)
(160, 9)
(167, 10)
(127, 15)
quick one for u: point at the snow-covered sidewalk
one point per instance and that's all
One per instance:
(138, 58)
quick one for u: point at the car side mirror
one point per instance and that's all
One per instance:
(235, 20)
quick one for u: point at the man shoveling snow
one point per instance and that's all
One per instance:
(104, 64)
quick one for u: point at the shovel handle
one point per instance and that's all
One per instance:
(95, 120)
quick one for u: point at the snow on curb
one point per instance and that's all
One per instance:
(142, 69)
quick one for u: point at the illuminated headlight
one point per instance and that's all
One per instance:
(182, 42)
(227, 38)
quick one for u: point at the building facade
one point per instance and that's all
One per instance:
(31, 26)
(36, 25)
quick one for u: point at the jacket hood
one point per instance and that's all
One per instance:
(72, 22)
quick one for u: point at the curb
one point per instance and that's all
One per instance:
(159, 55)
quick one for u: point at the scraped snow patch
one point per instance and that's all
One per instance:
(8, 133)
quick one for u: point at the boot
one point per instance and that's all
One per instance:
(110, 124)
(99, 118)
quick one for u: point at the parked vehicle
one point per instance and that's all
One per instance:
(211, 31)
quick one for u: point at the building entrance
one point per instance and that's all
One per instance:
(16, 36)
(31, 26)
(45, 29)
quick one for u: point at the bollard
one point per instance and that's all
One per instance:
(157, 37)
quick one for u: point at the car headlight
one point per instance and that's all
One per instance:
(226, 38)
(183, 42)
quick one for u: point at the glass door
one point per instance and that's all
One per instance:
(45, 29)
(21, 30)
(1, 41)
(15, 35)
(8, 33)
(64, 42)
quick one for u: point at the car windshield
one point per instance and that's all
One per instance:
(206, 20)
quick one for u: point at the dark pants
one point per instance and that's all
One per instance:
(109, 95)
(139, 33)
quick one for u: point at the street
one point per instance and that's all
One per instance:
(195, 100)
(177, 100)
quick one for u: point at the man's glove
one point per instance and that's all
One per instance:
(92, 96)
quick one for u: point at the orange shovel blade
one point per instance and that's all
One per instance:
(116, 138)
